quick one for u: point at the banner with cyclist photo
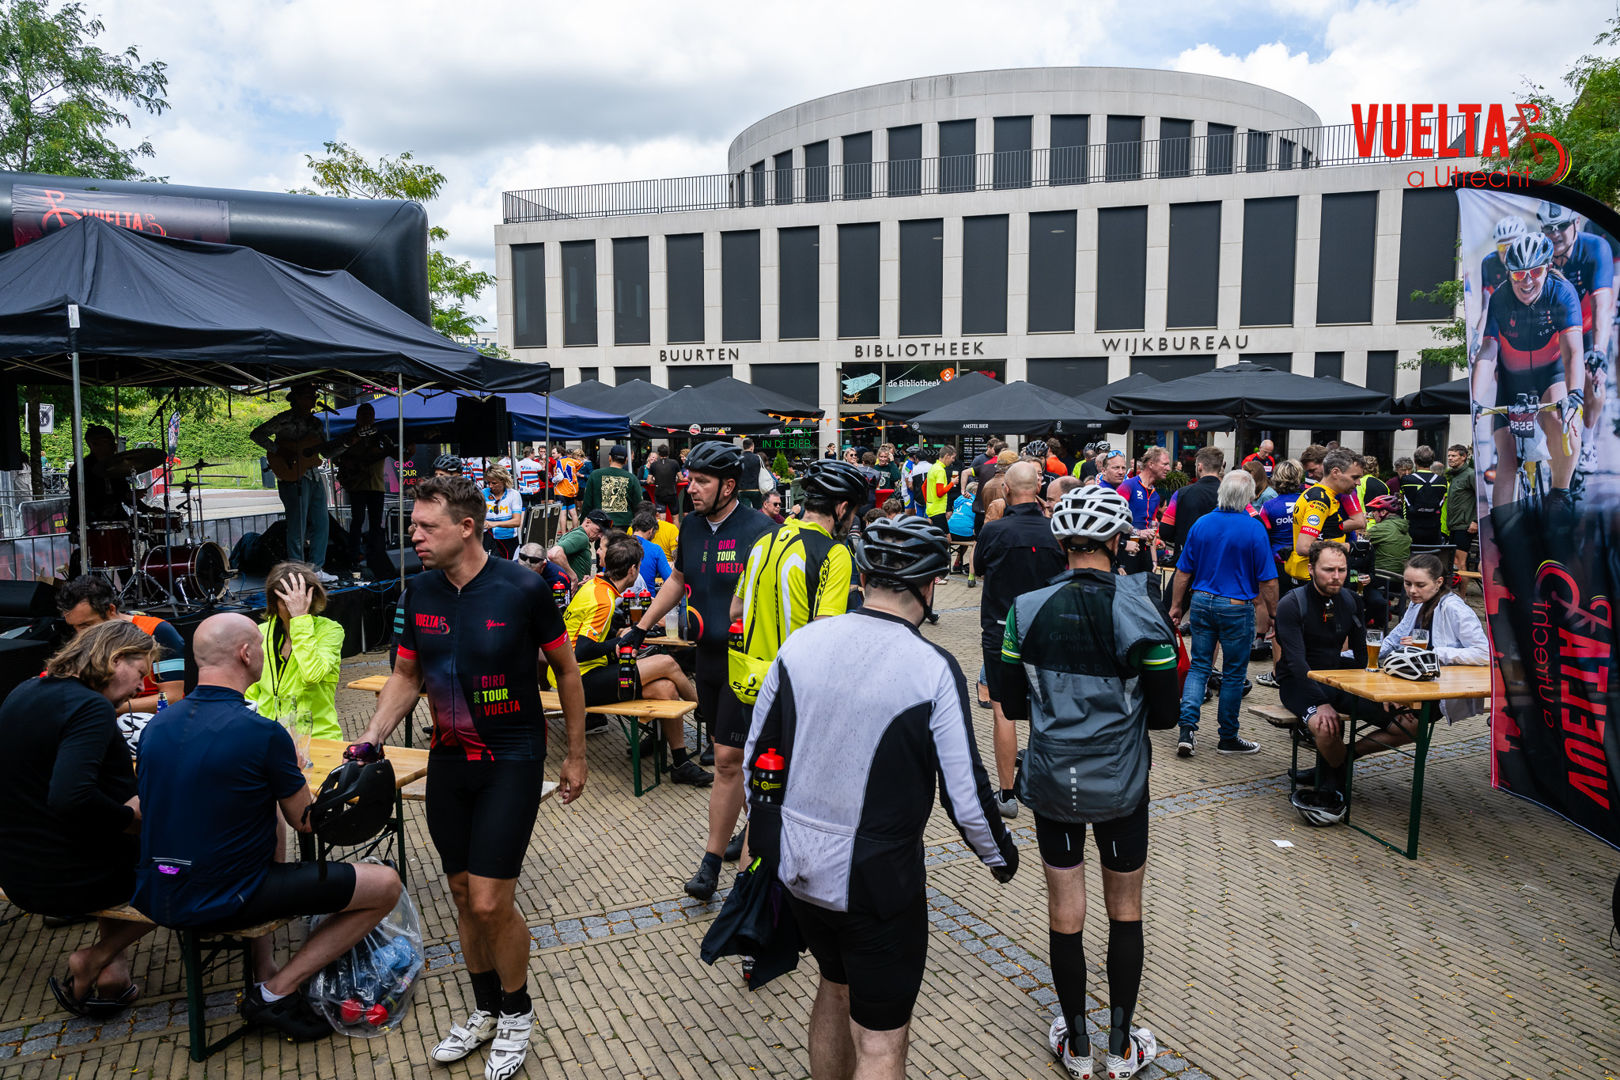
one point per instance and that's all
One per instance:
(1538, 267)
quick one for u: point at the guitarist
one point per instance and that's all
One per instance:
(292, 440)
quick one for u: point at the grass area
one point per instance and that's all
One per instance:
(245, 468)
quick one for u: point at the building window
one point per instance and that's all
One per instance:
(1193, 285)
(756, 178)
(1166, 368)
(858, 166)
(801, 382)
(815, 172)
(957, 148)
(697, 374)
(739, 285)
(622, 375)
(1218, 149)
(783, 165)
(579, 292)
(922, 277)
(1259, 147)
(586, 374)
(1344, 270)
(1121, 267)
(1124, 153)
(1381, 365)
(1428, 252)
(984, 275)
(1071, 375)
(630, 323)
(905, 160)
(1285, 153)
(1175, 147)
(1268, 262)
(529, 296)
(1013, 140)
(1068, 156)
(683, 278)
(1051, 272)
(799, 283)
(1329, 365)
(858, 280)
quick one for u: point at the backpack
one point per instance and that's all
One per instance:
(1424, 494)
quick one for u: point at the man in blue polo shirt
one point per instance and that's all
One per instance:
(1226, 563)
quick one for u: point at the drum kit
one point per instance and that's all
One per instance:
(141, 557)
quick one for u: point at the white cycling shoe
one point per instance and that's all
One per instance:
(464, 1039)
(1080, 1068)
(1139, 1055)
(511, 1046)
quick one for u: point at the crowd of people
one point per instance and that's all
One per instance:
(1084, 652)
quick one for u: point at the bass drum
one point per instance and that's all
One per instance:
(189, 571)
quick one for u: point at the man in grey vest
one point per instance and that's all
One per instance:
(1088, 660)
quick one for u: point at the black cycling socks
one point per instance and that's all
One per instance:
(1006, 794)
(486, 987)
(711, 862)
(516, 1002)
(1124, 981)
(678, 756)
(1069, 980)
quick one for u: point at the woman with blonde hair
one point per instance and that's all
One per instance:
(70, 819)
(503, 512)
(302, 651)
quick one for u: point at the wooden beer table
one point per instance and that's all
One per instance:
(1376, 688)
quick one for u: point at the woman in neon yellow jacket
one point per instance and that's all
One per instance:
(302, 651)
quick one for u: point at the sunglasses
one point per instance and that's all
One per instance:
(532, 560)
(1553, 230)
(1535, 273)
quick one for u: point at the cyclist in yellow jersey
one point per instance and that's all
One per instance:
(590, 619)
(1325, 511)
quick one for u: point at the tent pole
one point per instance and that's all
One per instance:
(399, 470)
(78, 441)
(545, 518)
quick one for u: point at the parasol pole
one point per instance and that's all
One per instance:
(78, 441)
(545, 515)
(399, 471)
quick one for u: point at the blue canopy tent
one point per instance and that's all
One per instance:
(527, 413)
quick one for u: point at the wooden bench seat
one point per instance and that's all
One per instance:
(1275, 715)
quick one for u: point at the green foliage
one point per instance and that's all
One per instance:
(452, 283)
(211, 428)
(1453, 334)
(62, 95)
(1588, 125)
(780, 466)
(1173, 481)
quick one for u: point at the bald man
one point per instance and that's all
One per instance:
(1014, 554)
(213, 776)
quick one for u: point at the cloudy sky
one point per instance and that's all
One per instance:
(501, 95)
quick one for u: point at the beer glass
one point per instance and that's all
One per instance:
(1375, 641)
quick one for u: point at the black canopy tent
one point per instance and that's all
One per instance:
(1337, 421)
(1447, 398)
(583, 393)
(96, 303)
(944, 393)
(1017, 408)
(628, 398)
(1154, 421)
(1245, 390)
(1136, 380)
(724, 407)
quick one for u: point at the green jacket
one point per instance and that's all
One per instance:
(305, 680)
(1458, 511)
(1391, 542)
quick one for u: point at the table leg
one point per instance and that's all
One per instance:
(1425, 733)
(399, 834)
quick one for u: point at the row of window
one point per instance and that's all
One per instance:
(1344, 273)
(1067, 158)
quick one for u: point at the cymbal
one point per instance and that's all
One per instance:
(139, 460)
(199, 466)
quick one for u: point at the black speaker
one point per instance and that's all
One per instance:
(481, 426)
(27, 599)
(11, 424)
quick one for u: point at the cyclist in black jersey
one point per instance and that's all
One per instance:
(709, 556)
(475, 631)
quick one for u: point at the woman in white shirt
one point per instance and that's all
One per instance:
(503, 512)
(1455, 633)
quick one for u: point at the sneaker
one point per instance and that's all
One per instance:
(933, 619)
(465, 1038)
(1080, 1068)
(701, 885)
(690, 772)
(1138, 1056)
(291, 1015)
(511, 1046)
(707, 757)
(1237, 745)
(734, 847)
(326, 579)
(973, 583)
(1187, 745)
(595, 725)
(1266, 678)
(1303, 777)
(1007, 806)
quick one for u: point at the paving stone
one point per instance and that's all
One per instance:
(38, 1045)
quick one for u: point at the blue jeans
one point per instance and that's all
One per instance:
(307, 524)
(1215, 619)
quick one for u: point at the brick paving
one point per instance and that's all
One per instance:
(1488, 957)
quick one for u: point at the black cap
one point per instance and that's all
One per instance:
(600, 518)
(617, 450)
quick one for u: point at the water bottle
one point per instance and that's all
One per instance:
(643, 604)
(163, 701)
(379, 1014)
(769, 778)
(559, 592)
(627, 672)
(736, 635)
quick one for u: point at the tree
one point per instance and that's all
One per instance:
(452, 283)
(1453, 333)
(62, 96)
(1587, 126)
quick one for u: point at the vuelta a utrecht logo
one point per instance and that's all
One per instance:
(1421, 131)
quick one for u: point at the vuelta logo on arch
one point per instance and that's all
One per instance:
(1423, 130)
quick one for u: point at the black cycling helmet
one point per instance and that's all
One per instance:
(836, 480)
(718, 459)
(449, 463)
(910, 551)
(354, 803)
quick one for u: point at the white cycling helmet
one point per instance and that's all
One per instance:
(1551, 213)
(1092, 513)
(1411, 662)
(1509, 229)
(1319, 808)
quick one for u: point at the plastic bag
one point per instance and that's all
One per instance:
(367, 991)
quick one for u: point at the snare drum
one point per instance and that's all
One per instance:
(191, 571)
(112, 546)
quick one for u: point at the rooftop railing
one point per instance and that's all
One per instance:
(1221, 154)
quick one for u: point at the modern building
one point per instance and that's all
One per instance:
(1069, 226)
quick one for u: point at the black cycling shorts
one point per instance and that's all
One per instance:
(1121, 843)
(727, 718)
(1536, 381)
(880, 960)
(602, 685)
(993, 664)
(291, 890)
(481, 814)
